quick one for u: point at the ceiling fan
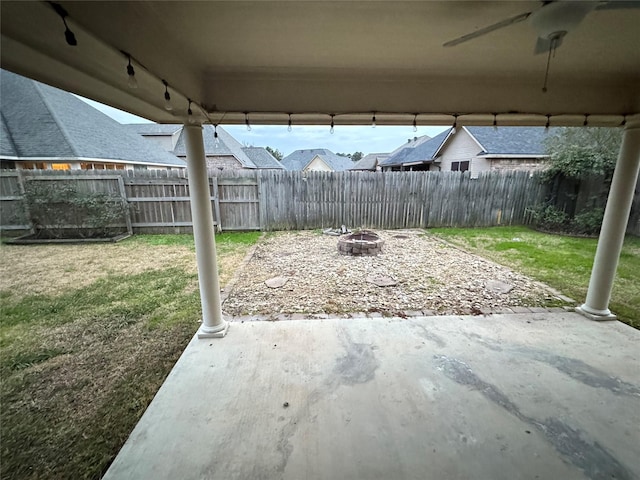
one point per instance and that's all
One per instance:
(552, 21)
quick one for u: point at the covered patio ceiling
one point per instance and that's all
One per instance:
(271, 61)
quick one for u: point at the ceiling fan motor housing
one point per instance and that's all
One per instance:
(556, 19)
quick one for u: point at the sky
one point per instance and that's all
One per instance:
(345, 139)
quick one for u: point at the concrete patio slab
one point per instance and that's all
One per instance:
(515, 396)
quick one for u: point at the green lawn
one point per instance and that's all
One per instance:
(79, 364)
(559, 261)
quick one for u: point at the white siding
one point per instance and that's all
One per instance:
(462, 147)
(164, 141)
(318, 165)
(479, 164)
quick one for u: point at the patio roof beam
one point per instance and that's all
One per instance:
(614, 225)
(213, 325)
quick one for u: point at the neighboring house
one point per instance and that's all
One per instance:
(370, 162)
(373, 161)
(411, 143)
(476, 149)
(164, 135)
(318, 159)
(49, 129)
(225, 154)
(262, 158)
(415, 156)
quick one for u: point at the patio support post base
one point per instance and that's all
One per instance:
(213, 332)
(614, 224)
(601, 316)
(213, 325)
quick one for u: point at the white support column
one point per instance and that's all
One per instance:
(213, 325)
(614, 225)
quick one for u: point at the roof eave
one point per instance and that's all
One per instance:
(513, 155)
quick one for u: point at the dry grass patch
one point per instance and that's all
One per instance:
(87, 335)
(51, 269)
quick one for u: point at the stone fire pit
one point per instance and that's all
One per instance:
(364, 242)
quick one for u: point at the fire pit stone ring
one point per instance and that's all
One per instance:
(364, 242)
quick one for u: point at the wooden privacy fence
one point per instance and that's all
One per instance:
(159, 200)
(309, 200)
(283, 200)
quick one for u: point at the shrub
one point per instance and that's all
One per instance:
(588, 222)
(64, 211)
(549, 217)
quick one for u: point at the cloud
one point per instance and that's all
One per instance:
(345, 139)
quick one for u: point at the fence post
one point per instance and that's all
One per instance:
(123, 194)
(25, 200)
(216, 202)
(260, 200)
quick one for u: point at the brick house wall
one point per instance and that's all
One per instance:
(224, 162)
(529, 164)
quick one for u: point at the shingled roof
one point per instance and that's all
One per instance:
(249, 157)
(299, 159)
(151, 129)
(370, 161)
(512, 140)
(226, 146)
(492, 141)
(262, 158)
(7, 148)
(424, 151)
(42, 122)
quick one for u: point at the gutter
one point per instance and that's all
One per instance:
(507, 155)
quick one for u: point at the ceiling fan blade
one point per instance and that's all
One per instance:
(483, 31)
(543, 45)
(618, 4)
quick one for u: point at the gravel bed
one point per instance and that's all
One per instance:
(431, 276)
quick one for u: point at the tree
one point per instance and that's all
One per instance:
(277, 154)
(353, 156)
(582, 152)
(579, 173)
